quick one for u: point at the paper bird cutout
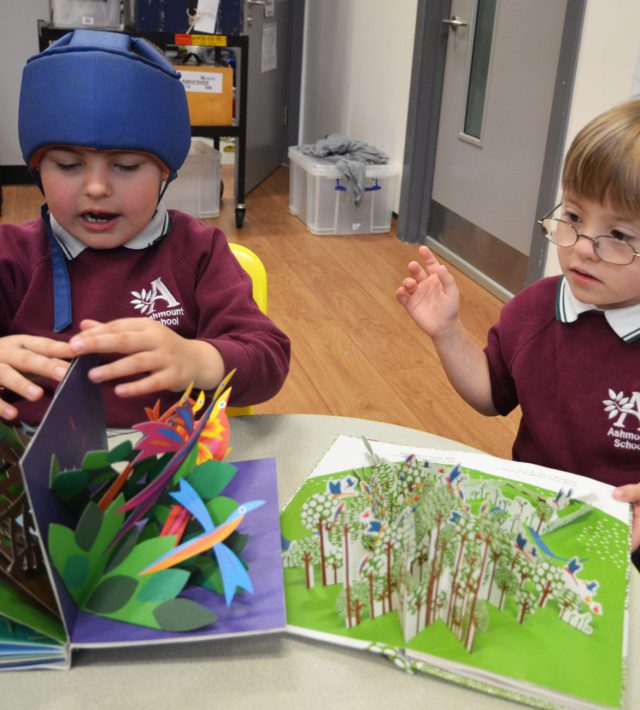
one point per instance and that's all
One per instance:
(232, 571)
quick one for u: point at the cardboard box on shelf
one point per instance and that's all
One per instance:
(209, 93)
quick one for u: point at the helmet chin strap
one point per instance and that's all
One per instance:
(172, 176)
(35, 174)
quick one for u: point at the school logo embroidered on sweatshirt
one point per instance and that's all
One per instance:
(625, 410)
(147, 301)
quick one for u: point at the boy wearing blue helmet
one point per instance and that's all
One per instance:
(103, 125)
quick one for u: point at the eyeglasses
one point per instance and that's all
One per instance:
(613, 250)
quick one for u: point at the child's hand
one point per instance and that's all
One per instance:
(430, 294)
(25, 358)
(161, 358)
(631, 494)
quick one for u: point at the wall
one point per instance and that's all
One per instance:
(357, 70)
(606, 69)
(19, 42)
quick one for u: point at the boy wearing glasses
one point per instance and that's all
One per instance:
(553, 348)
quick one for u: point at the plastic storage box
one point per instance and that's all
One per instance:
(86, 13)
(317, 195)
(196, 190)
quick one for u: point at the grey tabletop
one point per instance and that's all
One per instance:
(274, 671)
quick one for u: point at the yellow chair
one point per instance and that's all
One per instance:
(252, 264)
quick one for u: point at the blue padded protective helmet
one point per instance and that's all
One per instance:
(104, 90)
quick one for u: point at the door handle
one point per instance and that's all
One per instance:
(259, 3)
(453, 22)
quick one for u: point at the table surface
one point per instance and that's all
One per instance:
(271, 671)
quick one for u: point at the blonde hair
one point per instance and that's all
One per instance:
(603, 162)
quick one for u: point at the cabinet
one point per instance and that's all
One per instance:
(238, 129)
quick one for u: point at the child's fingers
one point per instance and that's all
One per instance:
(416, 270)
(120, 325)
(17, 361)
(428, 257)
(629, 493)
(7, 411)
(45, 346)
(154, 382)
(402, 296)
(129, 366)
(116, 339)
(445, 277)
(87, 324)
(11, 379)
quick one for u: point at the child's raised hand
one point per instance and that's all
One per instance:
(162, 359)
(430, 294)
(631, 494)
(24, 359)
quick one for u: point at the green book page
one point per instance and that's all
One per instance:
(15, 607)
(516, 582)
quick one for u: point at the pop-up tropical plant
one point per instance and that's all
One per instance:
(152, 521)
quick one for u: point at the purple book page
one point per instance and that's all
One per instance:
(248, 613)
(73, 425)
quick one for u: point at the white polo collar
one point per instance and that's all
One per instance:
(155, 230)
(625, 322)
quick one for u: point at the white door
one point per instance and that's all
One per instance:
(499, 80)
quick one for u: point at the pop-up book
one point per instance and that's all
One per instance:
(506, 577)
(153, 539)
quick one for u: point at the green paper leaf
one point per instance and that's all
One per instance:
(237, 541)
(54, 469)
(89, 526)
(124, 549)
(182, 615)
(146, 470)
(67, 485)
(220, 508)
(111, 594)
(163, 585)
(9, 435)
(143, 554)
(75, 571)
(207, 573)
(211, 477)
(121, 452)
(150, 530)
(62, 547)
(63, 544)
(187, 465)
(161, 512)
(95, 460)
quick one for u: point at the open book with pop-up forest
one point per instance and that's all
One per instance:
(155, 539)
(506, 577)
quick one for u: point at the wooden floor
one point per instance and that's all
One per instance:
(355, 351)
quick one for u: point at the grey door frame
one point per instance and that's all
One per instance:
(430, 45)
(294, 75)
